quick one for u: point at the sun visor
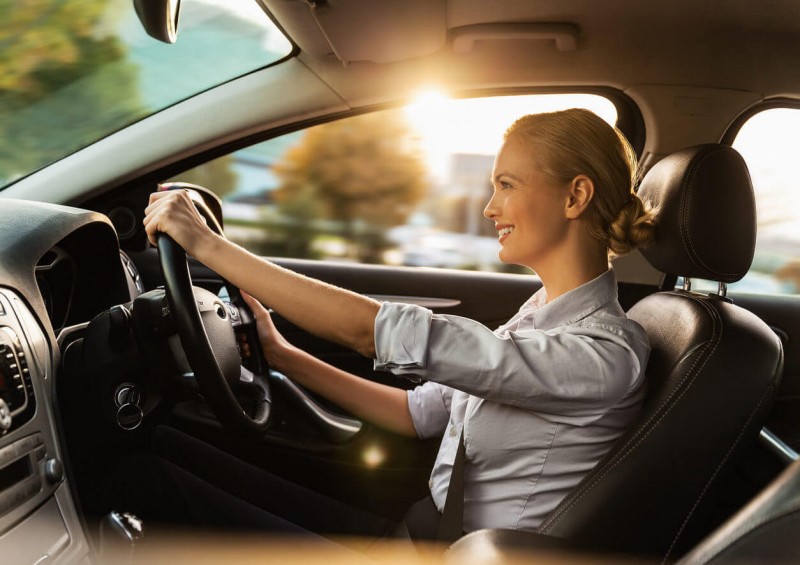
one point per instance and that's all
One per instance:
(364, 30)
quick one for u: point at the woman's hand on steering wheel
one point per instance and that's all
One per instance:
(175, 223)
(174, 212)
(273, 344)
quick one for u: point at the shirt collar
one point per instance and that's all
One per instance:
(573, 305)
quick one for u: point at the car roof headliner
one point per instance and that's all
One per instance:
(733, 44)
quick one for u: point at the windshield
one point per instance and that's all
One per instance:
(73, 72)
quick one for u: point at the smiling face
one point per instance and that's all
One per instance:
(527, 207)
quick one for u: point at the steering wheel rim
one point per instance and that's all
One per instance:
(199, 353)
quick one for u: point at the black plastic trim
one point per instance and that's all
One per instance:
(770, 104)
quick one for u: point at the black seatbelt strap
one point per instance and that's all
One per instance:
(451, 526)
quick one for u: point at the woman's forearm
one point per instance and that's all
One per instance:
(324, 310)
(380, 404)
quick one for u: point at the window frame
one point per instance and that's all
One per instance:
(735, 127)
(629, 120)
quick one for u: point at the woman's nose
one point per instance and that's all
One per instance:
(490, 211)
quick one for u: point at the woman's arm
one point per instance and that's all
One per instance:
(324, 310)
(380, 404)
(572, 374)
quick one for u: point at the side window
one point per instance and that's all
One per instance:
(767, 141)
(400, 187)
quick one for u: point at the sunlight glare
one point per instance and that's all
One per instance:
(373, 456)
(425, 115)
(475, 126)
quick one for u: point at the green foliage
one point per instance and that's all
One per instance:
(63, 81)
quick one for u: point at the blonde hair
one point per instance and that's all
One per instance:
(576, 142)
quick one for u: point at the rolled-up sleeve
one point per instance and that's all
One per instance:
(401, 336)
(429, 405)
(572, 372)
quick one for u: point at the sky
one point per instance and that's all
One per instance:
(476, 126)
(768, 143)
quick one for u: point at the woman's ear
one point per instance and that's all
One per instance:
(581, 192)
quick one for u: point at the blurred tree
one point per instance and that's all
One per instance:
(58, 90)
(366, 172)
(790, 272)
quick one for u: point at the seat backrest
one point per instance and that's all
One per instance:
(764, 531)
(712, 374)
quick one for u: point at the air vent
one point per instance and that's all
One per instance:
(124, 220)
(47, 260)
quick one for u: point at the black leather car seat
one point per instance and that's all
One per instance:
(712, 375)
(764, 531)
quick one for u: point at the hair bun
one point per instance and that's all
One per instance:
(633, 227)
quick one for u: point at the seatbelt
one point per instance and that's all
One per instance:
(451, 526)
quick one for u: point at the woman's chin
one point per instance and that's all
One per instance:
(506, 259)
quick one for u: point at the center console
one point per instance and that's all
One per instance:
(38, 520)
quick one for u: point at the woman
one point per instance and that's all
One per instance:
(541, 399)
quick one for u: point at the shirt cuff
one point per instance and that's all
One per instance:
(429, 406)
(401, 336)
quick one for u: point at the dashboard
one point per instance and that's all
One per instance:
(59, 267)
(63, 286)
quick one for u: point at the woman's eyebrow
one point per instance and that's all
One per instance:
(497, 177)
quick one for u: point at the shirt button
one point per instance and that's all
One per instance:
(430, 484)
(453, 431)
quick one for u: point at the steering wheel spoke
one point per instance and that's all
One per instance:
(256, 387)
(205, 325)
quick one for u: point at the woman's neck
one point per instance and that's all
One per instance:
(570, 269)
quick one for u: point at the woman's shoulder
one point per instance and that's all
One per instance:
(612, 320)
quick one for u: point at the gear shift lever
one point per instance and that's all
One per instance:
(120, 532)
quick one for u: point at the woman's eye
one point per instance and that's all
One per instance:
(505, 185)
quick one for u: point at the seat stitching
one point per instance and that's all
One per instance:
(695, 256)
(684, 221)
(716, 471)
(637, 439)
(750, 528)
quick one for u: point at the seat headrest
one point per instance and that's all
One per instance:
(706, 224)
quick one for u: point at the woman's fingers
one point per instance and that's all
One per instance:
(258, 309)
(266, 329)
(174, 213)
(272, 342)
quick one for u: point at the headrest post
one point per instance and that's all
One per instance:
(687, 284)
(723, 289)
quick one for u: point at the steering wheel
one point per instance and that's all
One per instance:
(205, 325)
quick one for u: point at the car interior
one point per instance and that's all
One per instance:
(106, 341)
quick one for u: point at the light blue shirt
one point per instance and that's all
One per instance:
(541, 399)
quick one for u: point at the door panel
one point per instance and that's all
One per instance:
(782, 314)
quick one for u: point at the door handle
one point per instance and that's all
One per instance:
(333, 427)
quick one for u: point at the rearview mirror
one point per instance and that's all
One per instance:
(159, 18)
